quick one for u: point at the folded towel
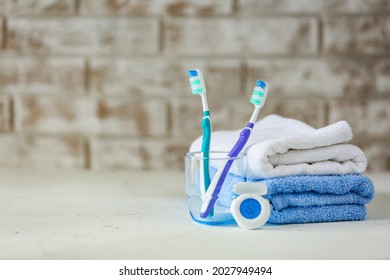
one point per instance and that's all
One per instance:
(282, 147)
(311, 198)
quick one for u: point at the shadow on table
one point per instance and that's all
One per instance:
(379, 207)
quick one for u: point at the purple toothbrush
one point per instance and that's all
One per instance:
(210, 197)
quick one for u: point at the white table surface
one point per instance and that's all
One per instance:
(128, 215)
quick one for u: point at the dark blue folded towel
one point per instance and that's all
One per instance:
(311, 198)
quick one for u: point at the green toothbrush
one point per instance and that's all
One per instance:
(198, 87)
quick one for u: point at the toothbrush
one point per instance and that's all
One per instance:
(210, 197)
(198, 87)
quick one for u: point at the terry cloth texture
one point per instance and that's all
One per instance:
(283, 147)
(313, 198)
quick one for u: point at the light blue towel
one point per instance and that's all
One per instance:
(311, 198)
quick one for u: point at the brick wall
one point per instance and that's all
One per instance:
(102, 84)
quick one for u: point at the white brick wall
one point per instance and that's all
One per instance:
(328, 77)
(103, 84)
(83, 36)
(359, 34)
(42, 75)
(255, 7)
(37, 7)
(41, 151)
(4, 113)
(156, 7)
(247, 36)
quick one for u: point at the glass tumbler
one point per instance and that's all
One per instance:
(220, 215)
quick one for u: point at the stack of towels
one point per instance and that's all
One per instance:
(312, 175)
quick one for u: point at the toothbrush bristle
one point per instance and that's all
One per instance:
(192, 73)
(196, 83)
(259, 93)
(261, 84)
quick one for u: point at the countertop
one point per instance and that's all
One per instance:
(144, 215)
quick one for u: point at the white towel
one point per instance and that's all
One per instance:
(281, 147)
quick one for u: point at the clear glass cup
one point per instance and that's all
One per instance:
(221, 212)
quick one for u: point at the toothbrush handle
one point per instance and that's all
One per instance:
(244, 136)
(242, 140)
(206, 127)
